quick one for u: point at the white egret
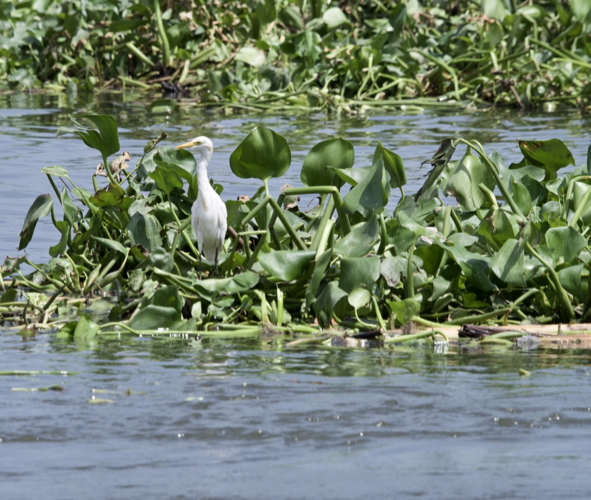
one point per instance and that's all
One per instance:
(208, 215)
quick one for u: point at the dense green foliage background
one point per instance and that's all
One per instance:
(304, 53)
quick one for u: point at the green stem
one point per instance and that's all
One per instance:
(162, 35)
(494, 172)
(566, 309)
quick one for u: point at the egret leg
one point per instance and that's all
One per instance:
(200, 266)
(216, 262)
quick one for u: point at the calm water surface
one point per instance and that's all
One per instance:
(224, 419)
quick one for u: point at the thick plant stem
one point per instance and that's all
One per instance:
(162, 35)
(494, 172)
(567, 308)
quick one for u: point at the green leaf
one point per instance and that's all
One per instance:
(566, 243)
(359, 297)
(392, 269)
(110, 196)
(581, 9)
(9, 296)
(463, 184)
(56, 170)
(40, 208)
(166, 180)
(167, 296)
(498, 228)
(327, 304)
(86, 329)
(71, 211)
(319, 269)
(263, 154)
(252, 56)
(360, 240)
(180, 161)
(393, 165)
(550, 155)
(334, 17)
(371, 194)
(111, 244)
(571, 279)
(508, 263)
(404, 309)
(352, 176)
(474, 266)
(160, 258)
(106, 139)
(431, 255)
(153, 317)
(237, 284)
(144, 230)
(325, 156)
(64, 229)
(286, 265)
(521, 196)
(359, 271)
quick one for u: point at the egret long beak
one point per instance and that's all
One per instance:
(185, 145)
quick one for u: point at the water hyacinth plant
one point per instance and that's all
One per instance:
(512, 248)
(279, 53)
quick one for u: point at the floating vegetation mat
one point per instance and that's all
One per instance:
(512, 250)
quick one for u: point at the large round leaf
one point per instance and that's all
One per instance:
(286, 265)
(566, 243)
(262, 154)
(551, 155)
(336, 153)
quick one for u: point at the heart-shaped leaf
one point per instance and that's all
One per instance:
(325, 156)
(286, 265)
(263, 154)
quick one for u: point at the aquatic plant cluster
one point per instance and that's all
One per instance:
(278, 53)
(513, 249)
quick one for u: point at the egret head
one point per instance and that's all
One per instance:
(202, 144)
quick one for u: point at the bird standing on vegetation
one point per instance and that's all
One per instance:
(208, 215)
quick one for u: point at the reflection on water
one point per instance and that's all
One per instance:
(247, 419)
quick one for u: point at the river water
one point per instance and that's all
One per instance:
(245, 418)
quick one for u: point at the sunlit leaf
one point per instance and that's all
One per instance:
(360, 240)
(56, 171)
(359, 297)
(551, 155)
(566, 243)
(508, 263)
(263, 154)
(325, 156)
(286, 265)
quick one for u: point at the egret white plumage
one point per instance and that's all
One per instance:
(208, 215)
